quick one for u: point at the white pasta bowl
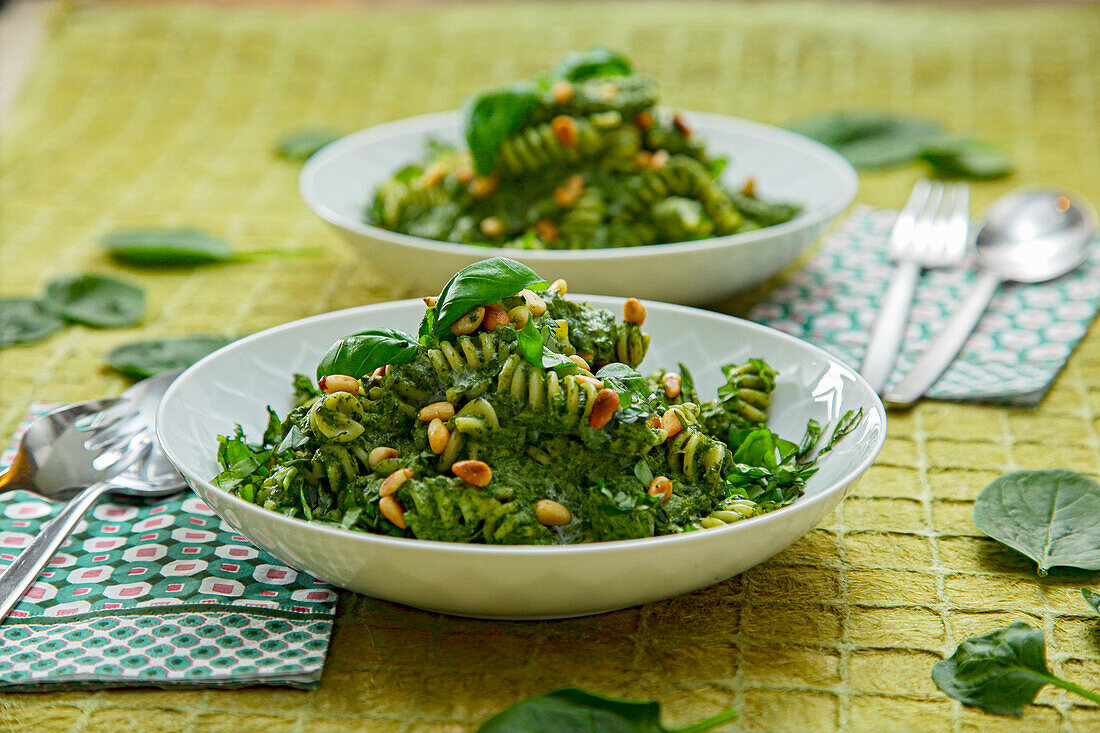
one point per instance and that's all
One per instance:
(236, 383)
(339, 181)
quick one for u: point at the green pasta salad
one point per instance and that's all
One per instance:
(579, 158)
(516, 416)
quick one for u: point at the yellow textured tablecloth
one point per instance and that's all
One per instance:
(165, 115)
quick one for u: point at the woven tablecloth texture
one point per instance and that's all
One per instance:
(165, 115)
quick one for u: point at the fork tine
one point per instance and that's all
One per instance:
(902, 233)
(960, 218)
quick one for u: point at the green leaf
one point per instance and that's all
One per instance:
(95, 300)
(481, 283)
(871, 139)
(1051, 516)
(25, 321)
(301, 144)
(626, 382)
(1092, 598)
(530, 342)
(143, 359)
(490, 117)
(963, 156)
(361, 353)
(166, 247)
(601, 61)
(575, 711)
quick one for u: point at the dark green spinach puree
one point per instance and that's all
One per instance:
(516, 416)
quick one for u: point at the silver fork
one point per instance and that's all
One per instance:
(931, 231)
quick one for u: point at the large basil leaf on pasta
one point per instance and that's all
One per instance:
(490, 117)
(571, 709)
(95, 300)
(363, 352)
(1051, 516)
(481, 283)
(578, 66)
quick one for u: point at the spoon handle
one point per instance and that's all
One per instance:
(947, 343)
(25, 569)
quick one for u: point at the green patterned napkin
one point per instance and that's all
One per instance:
(158, 594)
(1013, 356)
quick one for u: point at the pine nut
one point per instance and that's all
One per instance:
(588, 379)
(644, 120)
(430, 301)
(660, 486)
(535, 304)
(332, 383)
(680, 125)
(671, 383)
(643, 159)
(609, 91)
(670, 423)
(604, 407)
(379, 454)
(394, 481)
(378, 373)
(564, 128)
(469, 323)
(476, 473)
(492, 226)
(483, 186)
(653, 421)
(438, 436)
(559, 286)
(749, 189)
(659, 160)
(587, 356)
(437, 410)
(520, 315)
(561, 92)
(464, 174)
(393, 511)
(634, 311)
(550, 513)
(432, 175)
(580, 362)
(547, 230)
(495, 317)
(567, 193)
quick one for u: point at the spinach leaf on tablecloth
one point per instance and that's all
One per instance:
(95, 300)
(1052, 516)
(26, 321)
(963, 156)
(142, 359)
(182, 248)
(871, 139)
(299, 145)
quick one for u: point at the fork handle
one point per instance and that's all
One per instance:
(25, 569)
(947, 343)
(882, 351)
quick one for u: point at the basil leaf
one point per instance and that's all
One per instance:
(966, 157)
(1092, 598)
(1051, 516)
(601, 61)
(142, 359)
(95, 300)
(481, 283)
(301, 144)
(626, 383)
(25, 321)
(294, 438)
(571, 709)
(490, 117)
(166, 247)
(554, 361)
(530, 342)
(363, 352)
(871, 139)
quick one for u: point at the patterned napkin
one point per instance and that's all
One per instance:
(1020, 345)
(159, 594)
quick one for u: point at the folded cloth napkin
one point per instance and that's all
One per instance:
(160, 594)
(1013, 356)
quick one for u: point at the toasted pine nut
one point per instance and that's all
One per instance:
(609, 91)
(379, 454)
(547, 230)
(520, 315)
(634, 311)
(660, 485)
(394, 481)
(492, 226)
(561, 92)
(604, 406)
(387, 369)
(588, 379)
(430, 301)
(659, 159)
(559, 286)
(564, 128)
(477, 473)
(643, 159)
(672, 385)
(469, 323)
(535, 304)
(464, 174)
(438, 436)
(587, 356)
(333, 383)
(680, 125)
(441, 410)
(567, 193)
(550, 513)
(378, 373)
(653, 421)
(393, 511)
(483, 186)
(433, 174)
(670, 422)
(495, 317)
(580, 362)
(644, 120)
(749, 189)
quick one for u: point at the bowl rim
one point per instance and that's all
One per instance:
(842, 196)
(804, 503)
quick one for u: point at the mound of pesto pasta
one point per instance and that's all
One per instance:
(579, 158)
(517, 416)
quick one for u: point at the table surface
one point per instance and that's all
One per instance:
(149, 115)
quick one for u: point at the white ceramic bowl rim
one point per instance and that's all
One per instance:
(837, 203)
(879, 415)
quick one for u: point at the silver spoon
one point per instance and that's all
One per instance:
(135, 465)
(1028, 236)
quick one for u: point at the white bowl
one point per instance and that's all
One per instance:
(234, 384)
(339, 181)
